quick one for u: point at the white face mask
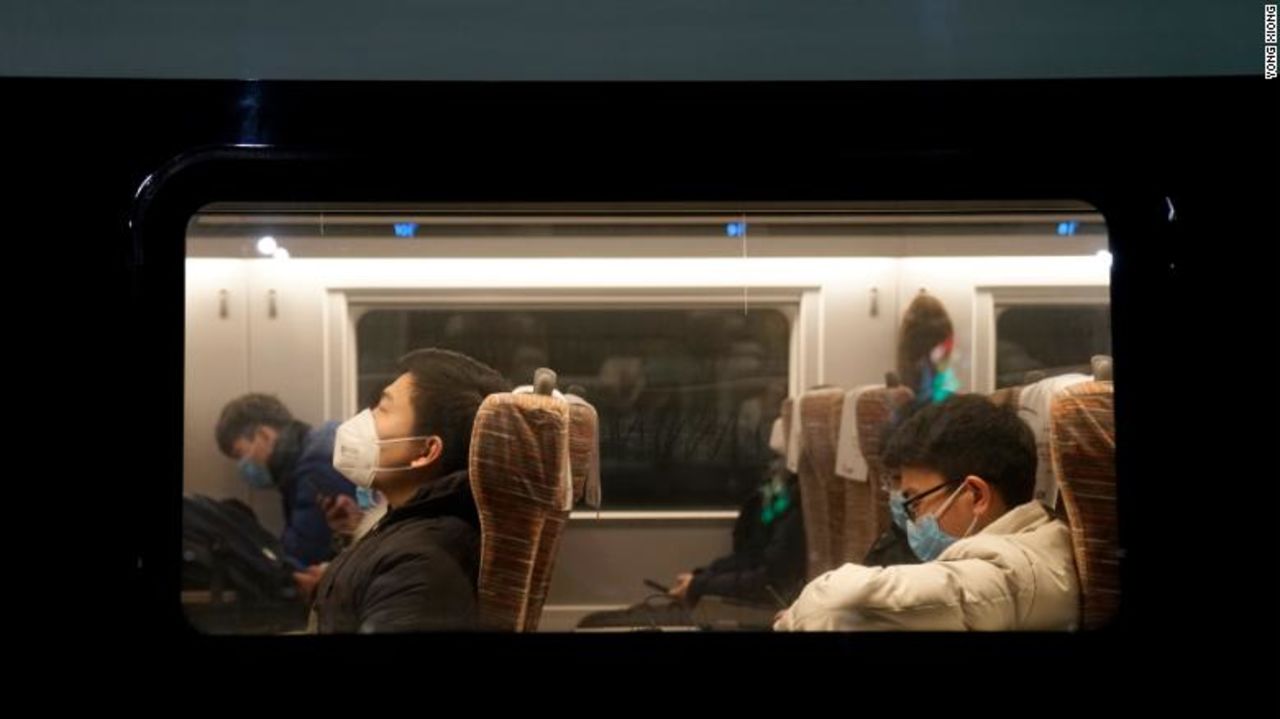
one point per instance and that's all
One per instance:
(355, 449)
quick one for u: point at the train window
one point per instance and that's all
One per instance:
(686, 398)
(690, 330)
(1038, 341)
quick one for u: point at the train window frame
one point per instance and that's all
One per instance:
(176, 191)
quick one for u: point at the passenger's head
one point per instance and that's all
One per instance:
(431, 406)
(924, 326)
(249, 427)
(965, 461)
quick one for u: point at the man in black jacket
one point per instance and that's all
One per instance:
(767, 565)
(416, 570)
(766, 569)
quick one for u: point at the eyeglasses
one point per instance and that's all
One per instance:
(910, 504)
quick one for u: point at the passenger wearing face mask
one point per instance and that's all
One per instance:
(277, 452)
(993, 558)
(416, 569)
(767, 565)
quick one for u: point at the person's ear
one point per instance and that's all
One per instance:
(429, 452)
(983, 495)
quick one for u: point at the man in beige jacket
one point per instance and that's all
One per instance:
(993, 558)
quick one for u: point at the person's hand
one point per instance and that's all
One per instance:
(342, 514)
(307, 580)
(778, 618)
(680, 590)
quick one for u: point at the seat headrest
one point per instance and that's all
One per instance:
(520, 447)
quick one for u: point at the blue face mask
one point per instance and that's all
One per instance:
(256, 475)
(898, 509)
(926, 537)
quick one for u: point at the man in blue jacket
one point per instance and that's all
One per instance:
(275, 451)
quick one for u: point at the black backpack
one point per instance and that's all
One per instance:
(225, 548)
